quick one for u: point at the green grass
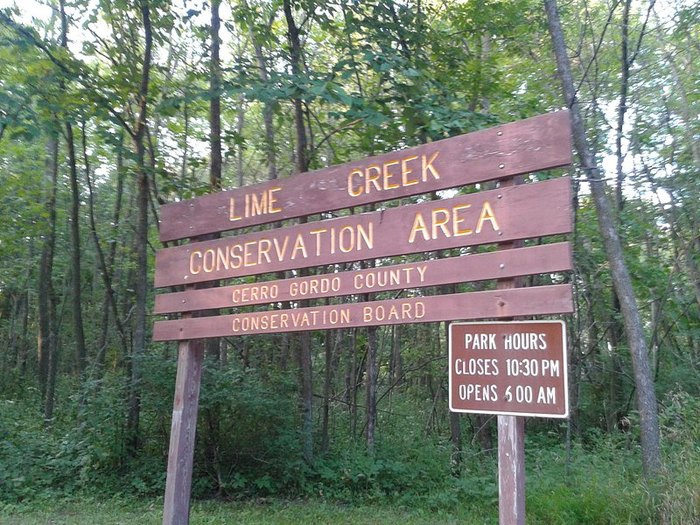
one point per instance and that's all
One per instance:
(271, 512)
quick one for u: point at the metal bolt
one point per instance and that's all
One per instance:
(500, 133)
(501, 266)
(500, 233)
(499, 196)
(501, 166)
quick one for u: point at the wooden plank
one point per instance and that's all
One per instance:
(541, 300)
(529, 145)
(527, 211)
(547, 258)
(176, 505)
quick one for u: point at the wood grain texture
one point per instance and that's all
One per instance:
(525, 146)
(541, 300)
(547, 258)
(522, 212)
(183, 429)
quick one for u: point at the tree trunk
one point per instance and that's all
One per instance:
(77, 307)
(268, 108)
(110, 295)
(646, 396)
(76, 284)
(301, 156)
(214, 346)
(215, 101)
(301, 165)
(329, 343)
(141, 285)
(396, 361)
(46, 313)
(622, 106)
(371, 388)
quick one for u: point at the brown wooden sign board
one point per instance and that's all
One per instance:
(546, 258)
(509, 368)
(518, 212)
(491, 217)
(540, 300)
(529, 145)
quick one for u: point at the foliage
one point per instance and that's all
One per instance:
(377, 76)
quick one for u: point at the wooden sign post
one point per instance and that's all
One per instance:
(503, 215)
(512, 369)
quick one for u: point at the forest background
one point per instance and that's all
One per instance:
(109, 109)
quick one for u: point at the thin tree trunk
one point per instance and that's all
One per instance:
(371, 388)
(46, 311)
(329, 343)
(215, 102)
(646, 396)
(240, 121)
(105, 263)
(141, 278)
(301, 149)
(622, 106)
(50, 402)
(301, 165)
(213, 346)
(268, 108)
(77, 307)
(76, 282)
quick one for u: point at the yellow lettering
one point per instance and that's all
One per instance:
(346, 243)
(281, 250)
(418, 226)
(388, 175)
(318, 233)
(208, 261)
(195, 268)
(354, 191)
(406, 171)
(299, 246)
(258, 205)
(232, 210)
(248, 255)
(372, 175)
(272, 200)
(457, 220)
(486, 215)
(428, 167)
(368, 237)
(264, 252)
(234, 257)
(441, 223)
(221, 258)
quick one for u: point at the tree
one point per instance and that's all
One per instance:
(646, 396)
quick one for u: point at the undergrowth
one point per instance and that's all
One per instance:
(597, 480)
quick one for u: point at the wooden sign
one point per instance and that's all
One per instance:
(509, 368)
(540, 300)
(547, 258)
(518, 212)
(529, 145)
(490, 217)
